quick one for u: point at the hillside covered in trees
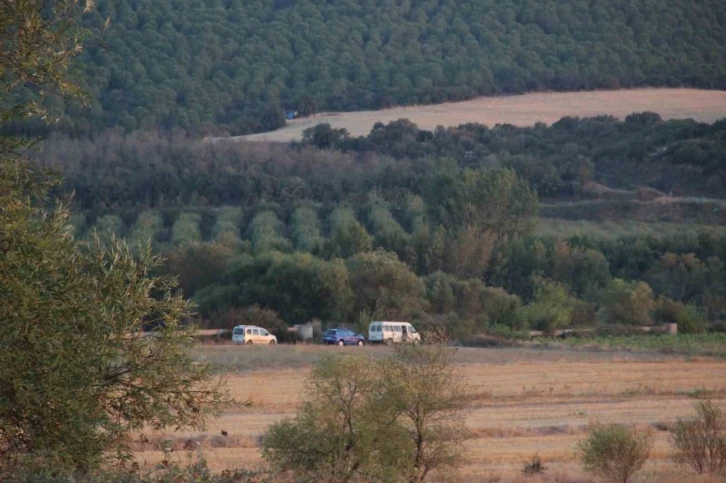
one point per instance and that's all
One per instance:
(235, 65)
(435, 227)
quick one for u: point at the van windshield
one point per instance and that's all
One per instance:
(238, 331)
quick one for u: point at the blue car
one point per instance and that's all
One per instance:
(342, 336)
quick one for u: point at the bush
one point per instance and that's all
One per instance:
(700, 441)
(534, 467)
(615, 452)
(364, 419)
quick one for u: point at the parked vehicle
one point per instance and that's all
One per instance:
(392, 332)
(251, 334)
(342, 336)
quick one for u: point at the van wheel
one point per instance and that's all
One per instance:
(341, 343)
(360, 343)
(388, 342)
(248, 342)
(272, 342)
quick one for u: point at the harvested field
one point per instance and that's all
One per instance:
(522, 110)
(527, 401)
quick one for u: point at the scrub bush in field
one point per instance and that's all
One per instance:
(700, 441)
(364, 419)
(615, 452)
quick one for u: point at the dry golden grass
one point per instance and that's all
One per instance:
(542, 404)
(522, 110)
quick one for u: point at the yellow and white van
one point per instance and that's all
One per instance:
(251, 334)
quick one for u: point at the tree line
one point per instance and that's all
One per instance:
(450, 212)
(236, 66)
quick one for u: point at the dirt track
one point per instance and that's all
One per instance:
(523, 110)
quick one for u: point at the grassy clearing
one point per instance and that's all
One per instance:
(560, 228)
(704, 345)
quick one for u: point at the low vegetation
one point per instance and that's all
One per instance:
(615, 452)
(700, 441)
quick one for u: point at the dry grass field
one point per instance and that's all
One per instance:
(522, 110)
(527, 401)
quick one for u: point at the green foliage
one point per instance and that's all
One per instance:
(227, 223)
(344, 428)
(627, 303)
(700, 442)
(186, 229)
(197, 265)
(38, 43)
(305, 230)
(238, 65)
(300, 287)
(347, 236)
(707, 345)
(107, 227)
(384, 286)
(387, 232)
(551, 309)
(147, 230)
(395, 419)
(267, 233)
(77, 375)
(615, 452)
(690, 319)
(488, 200)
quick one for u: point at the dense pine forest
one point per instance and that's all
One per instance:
(236, 65)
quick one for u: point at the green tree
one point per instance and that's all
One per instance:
(393, 419)
(615, 452)
(700, 441)
(432, 397)
(344, 430)
(551, 309)
(485, 199)
(77, 375)
(626, 303)
(384, 286)
(348, 237)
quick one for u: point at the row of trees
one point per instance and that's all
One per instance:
(236, 65)
(124, 174)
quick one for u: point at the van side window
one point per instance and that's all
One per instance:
(397, 328)
(264, 332)
(411, 329)
(249, 331)
(256, 331)
(386, 328)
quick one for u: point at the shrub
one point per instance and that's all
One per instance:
(534, 467)
(615, 452)
(366, 419)
(700, 442)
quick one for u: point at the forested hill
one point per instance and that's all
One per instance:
(236, 64)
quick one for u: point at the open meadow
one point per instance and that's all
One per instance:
(521, 110)
(527, 401)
